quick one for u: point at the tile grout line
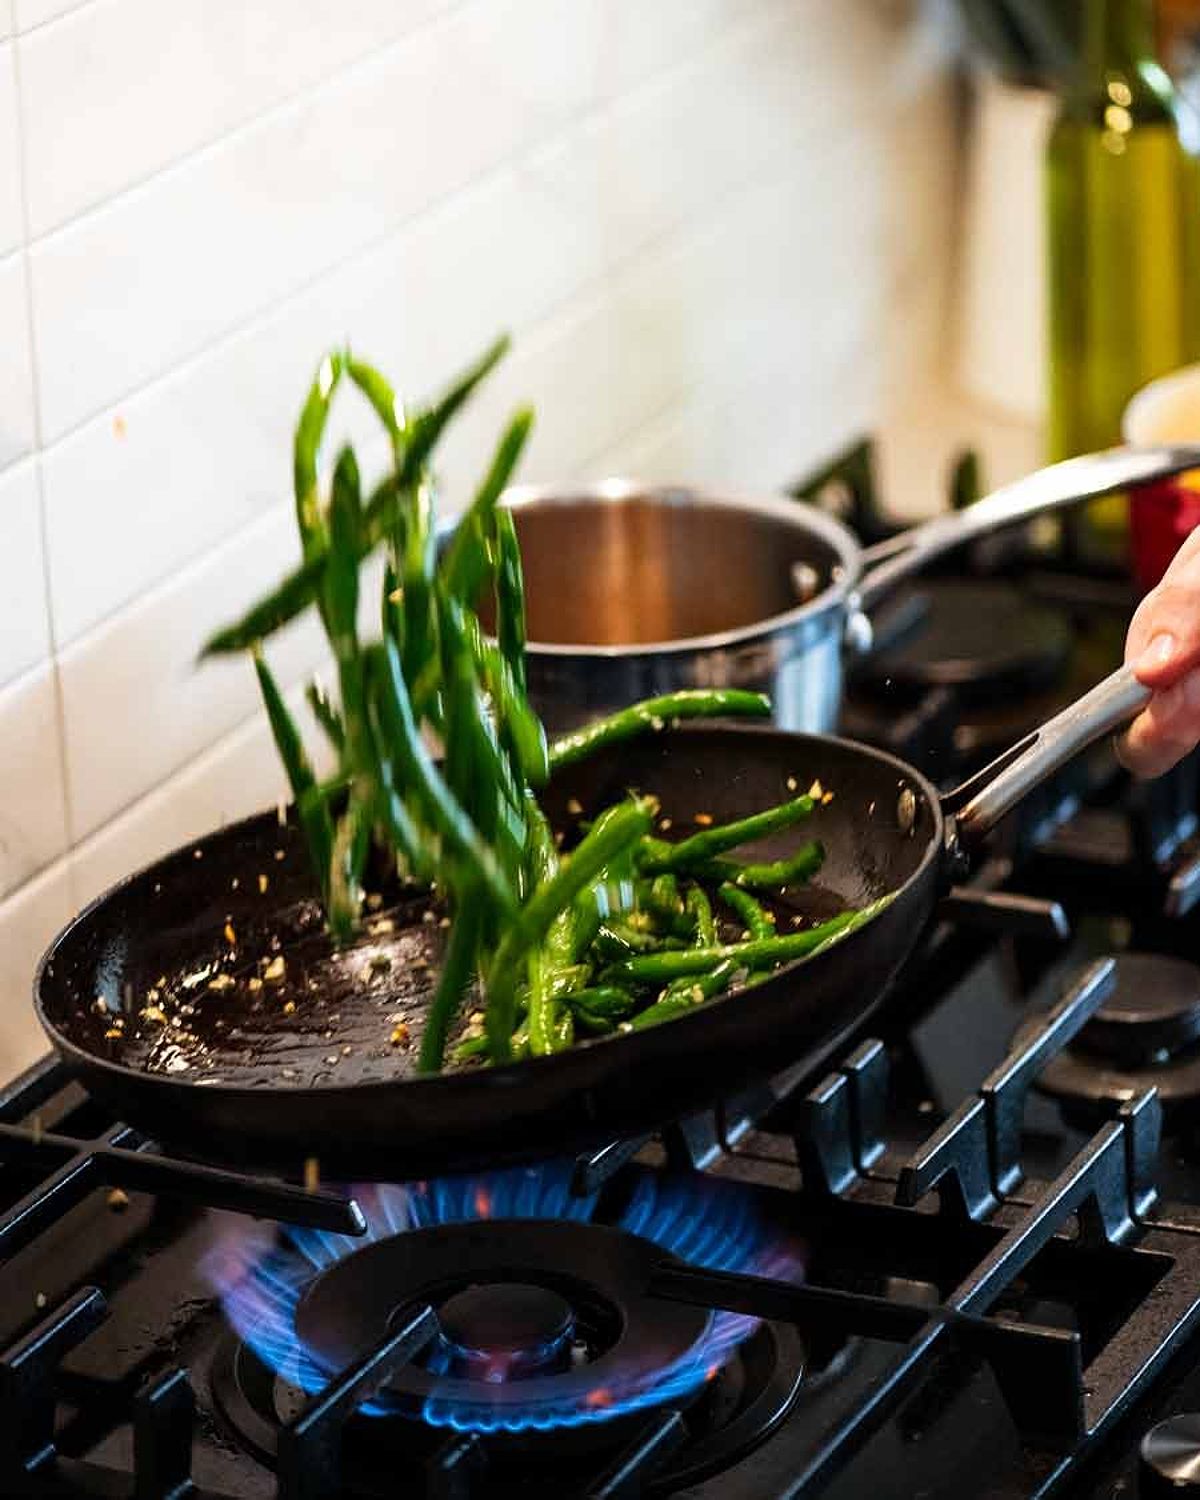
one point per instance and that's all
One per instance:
(59, 702)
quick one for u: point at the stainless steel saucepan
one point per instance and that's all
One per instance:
(635, 590)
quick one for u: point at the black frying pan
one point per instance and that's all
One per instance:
(262, 1084)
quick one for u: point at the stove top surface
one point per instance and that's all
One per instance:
(965, 1260)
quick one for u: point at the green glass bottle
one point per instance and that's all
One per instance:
(1124, 246)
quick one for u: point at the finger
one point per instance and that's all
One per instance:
(1165, 731)
(1163, 642)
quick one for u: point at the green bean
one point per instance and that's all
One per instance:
(344, 899)
(664, 892)
(560, 983)
(293, 594)
(416, 595)
(305, 453)
(614, 832)
(426, 428)
(605, 1001)
(521, 729)
(545, 1008)
(391, 613)
(340, 590)
(595, 1025)
(466, 562)
(326, 715)
(382, 398)
(683, 995)
(470, 770)
(402, 828)
(470, 1047)
(547, 1032)
(697, 988)
(563, 1032)
(660, 1011)
(442, 808)
(457, 968)
(660, 968)
(312, 812)
(620, 940)
(290, 598)
(594, 906)
(520, 1043)
(510, 597)
(655, 713)
(698, 850)
(610, 946)
(792, 870)
(700, 908)
(757, 921)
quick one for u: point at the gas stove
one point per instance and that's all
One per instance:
(961, 1259)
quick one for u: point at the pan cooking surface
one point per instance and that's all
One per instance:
(259, 995)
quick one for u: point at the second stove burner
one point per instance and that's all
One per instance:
(985, 640)
(1145, 1035)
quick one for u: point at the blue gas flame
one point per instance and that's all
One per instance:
(704, 1222)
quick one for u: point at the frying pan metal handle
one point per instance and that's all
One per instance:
(895, 561)
(980, 803)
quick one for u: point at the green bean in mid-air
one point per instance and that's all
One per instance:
(656, 714)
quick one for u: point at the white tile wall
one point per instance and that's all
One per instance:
(684, 212)
(25, 638)
(16, 373)
(33, 818)
(10, 160)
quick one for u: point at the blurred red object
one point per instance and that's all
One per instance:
(1162, 515)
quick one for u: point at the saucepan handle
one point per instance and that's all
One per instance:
(980, 803)
(894, 562)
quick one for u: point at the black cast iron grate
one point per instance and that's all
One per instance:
(1062, 1394)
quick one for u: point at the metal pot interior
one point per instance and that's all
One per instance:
(655, 566)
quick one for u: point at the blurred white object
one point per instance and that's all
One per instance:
(1002, 284)
(1165, 411)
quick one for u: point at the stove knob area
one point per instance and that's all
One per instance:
(1170, 1455)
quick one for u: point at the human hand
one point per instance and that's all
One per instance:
(1163, 645)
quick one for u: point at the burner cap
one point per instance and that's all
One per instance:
(504, 1329)
(978, 638)
(1170, 1454)
(1152, 1013)
(1143, 1036)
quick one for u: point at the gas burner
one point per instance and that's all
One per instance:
(547, 1320)
(986, 641)
(578, 1335)
(1146, 1034)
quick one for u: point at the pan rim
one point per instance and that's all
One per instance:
(508, 1074)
